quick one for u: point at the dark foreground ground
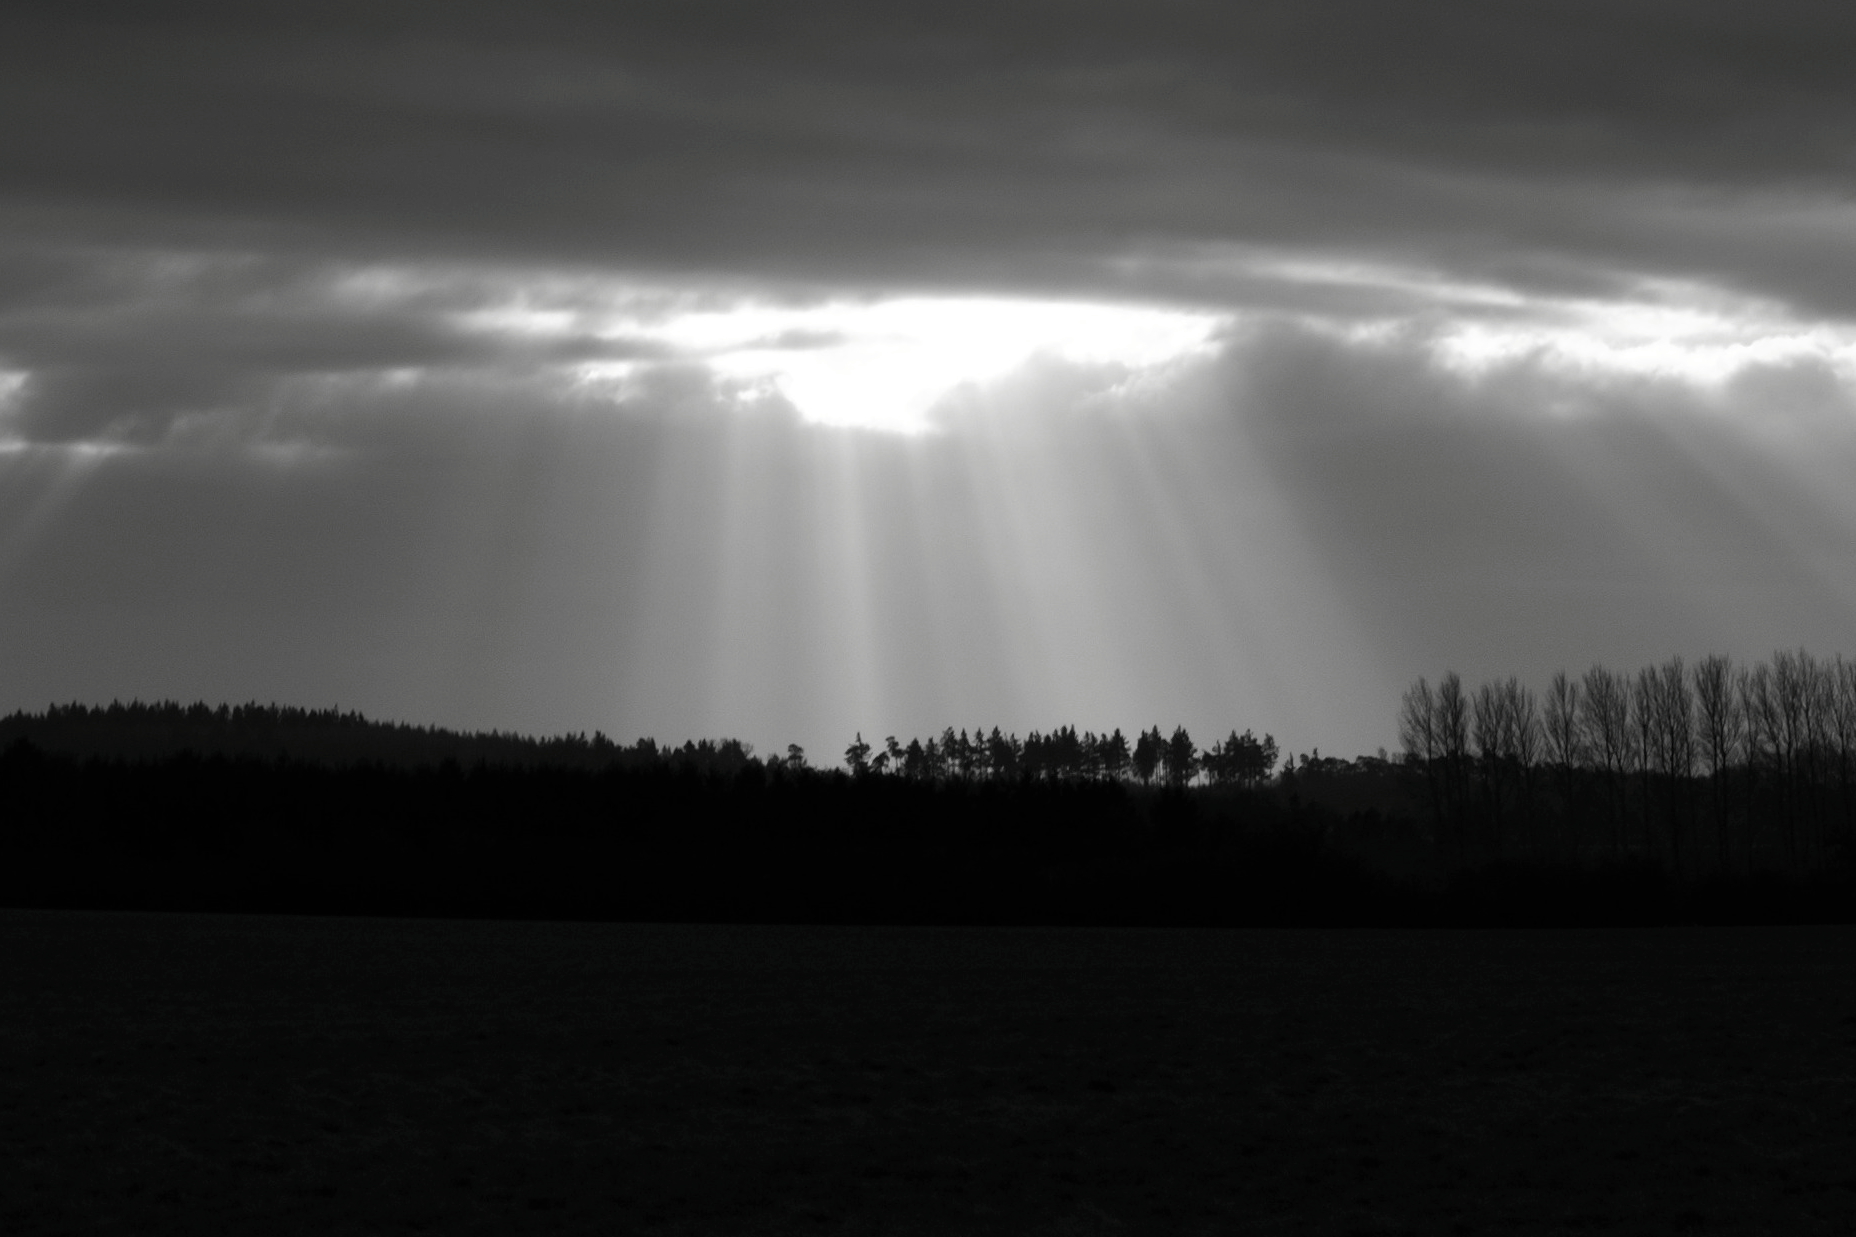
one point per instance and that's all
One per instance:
(170, 1073)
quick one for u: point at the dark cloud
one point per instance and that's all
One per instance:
(1005, 144)
(123, 345)
(84, 405)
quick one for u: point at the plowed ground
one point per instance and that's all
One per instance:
(274, 1075)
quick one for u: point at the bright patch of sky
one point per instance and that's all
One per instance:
(1689, 334)
(886, 364)
(1661, 328)
(11, 382)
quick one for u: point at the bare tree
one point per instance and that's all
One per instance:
(1645, 693)
(1842, 711)
(1417, 734)
(1791, 686)
(1452, 726)
(1562, 741)
(1489, 722)
(1604, 719)
(1675, 749)
(1521, 745)
(1760, 707)
(1819, 740)
(1775, 742)
(1720, 724)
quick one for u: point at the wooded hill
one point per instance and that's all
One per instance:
(265, 809)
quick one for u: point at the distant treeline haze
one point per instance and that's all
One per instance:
(1714, 765)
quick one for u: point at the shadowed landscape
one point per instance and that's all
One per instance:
(1061, 984)
(1378, 473)
(1723, 797)
(286, 1075)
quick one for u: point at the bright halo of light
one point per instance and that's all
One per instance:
(885, 364)
(1699, 360)
(1692, 335)
(11, 383)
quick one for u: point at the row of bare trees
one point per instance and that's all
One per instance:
(1713, 764)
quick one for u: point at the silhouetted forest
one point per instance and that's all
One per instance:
(1714, 767)
(141, 731)
(1489, 815)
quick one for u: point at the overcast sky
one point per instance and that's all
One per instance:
(785, 371)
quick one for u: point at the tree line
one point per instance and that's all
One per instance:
(1064, 755)
(141, 731)
(258, 808)
(664, 840)
(1711, 766)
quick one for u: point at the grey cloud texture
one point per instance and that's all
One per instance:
(125, 345)
(1065, 146)
(272, 424)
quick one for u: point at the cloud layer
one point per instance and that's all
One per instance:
(1276, 535)
(1544, 146)
(345, 355)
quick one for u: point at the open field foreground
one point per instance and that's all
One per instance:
(173, 1073)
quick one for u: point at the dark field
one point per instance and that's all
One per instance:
(278, 1075)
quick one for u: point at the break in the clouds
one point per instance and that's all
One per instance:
(789, 370)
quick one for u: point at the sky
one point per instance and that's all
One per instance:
(791, 371)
